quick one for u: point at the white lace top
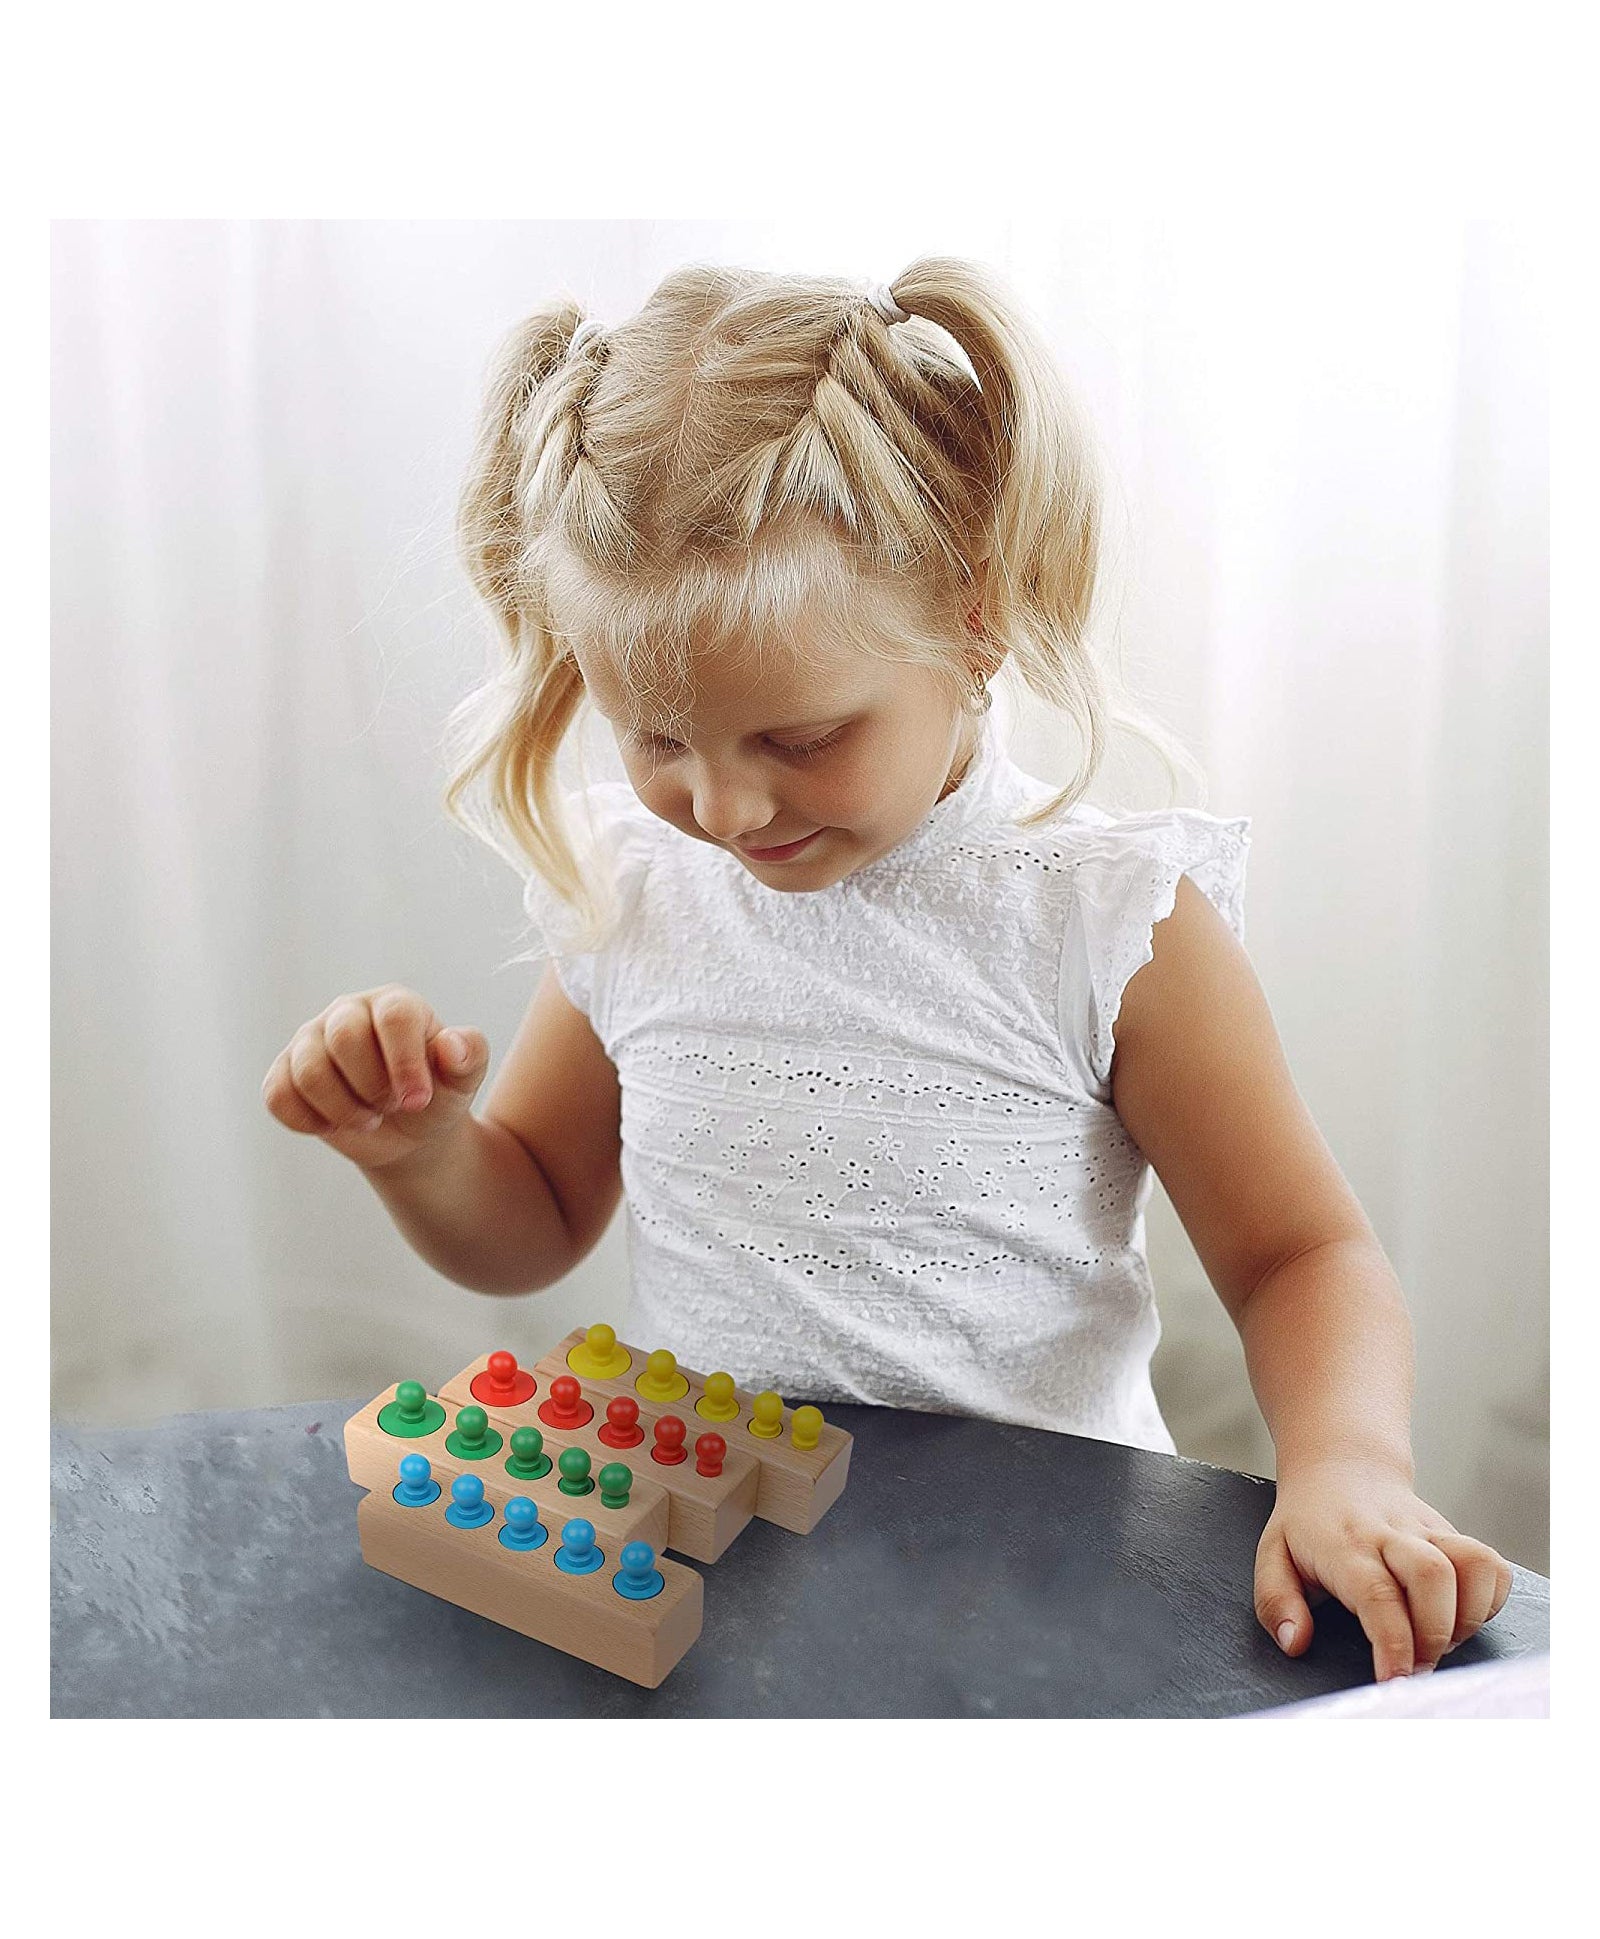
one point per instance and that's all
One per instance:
(868, 1146)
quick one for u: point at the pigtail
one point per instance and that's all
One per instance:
(1044, 497)
(525, 477)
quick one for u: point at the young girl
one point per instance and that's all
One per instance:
(880, 1035)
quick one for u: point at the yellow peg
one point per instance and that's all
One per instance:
(717, 1403)
(598, 1356)
(768, 1416)
(807, 1426)
(661, 1379)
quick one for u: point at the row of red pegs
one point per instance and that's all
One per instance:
(621, 1429)
(504, 1384)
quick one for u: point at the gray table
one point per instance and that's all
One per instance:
(208, 1567)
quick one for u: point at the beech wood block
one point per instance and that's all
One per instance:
(525, 1591)
(798, 1485)
(374, 1461)
(705, 1512)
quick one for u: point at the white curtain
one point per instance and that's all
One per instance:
(1328, 558)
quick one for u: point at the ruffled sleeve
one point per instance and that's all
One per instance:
(610, 833)
(1125, 880)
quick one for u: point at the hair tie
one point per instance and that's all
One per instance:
(589, 327)
(883, 302)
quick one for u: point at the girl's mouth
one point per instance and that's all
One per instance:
(783, 852)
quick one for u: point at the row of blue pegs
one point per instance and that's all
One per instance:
(637, 1576)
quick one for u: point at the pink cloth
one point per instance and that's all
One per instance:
(1517, 1687)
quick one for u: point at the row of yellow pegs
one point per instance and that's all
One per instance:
(599, 1357)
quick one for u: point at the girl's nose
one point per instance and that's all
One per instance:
(731, 810)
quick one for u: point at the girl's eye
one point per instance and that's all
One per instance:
(659, 746)
(815, 747)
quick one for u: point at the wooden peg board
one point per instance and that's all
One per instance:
(580, 1614)
(374, 1459)
(670, 1505)
(705, 1512)
(798, 1485)
(523, 1589)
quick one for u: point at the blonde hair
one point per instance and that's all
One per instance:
(745, 452)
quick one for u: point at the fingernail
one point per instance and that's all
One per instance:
(372, 1123)
(1285, 1634)
(455, 1047)
(413, 1100)
(1425, 1669)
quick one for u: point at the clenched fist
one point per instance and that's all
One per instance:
(377, 1076)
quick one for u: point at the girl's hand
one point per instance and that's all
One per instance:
(1352, 1528)
(377, 1076)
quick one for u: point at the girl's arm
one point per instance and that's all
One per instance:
(517, 1197)
(478, 1207)
(1200, 1080)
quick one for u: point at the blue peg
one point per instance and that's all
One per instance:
(468, 1509)
(523, 1528)
(638, 1579)
(577, 1554)
(417, 1486)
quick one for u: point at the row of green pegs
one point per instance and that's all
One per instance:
(412, 1414)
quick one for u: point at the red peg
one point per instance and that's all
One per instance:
(622, 1429)
(502, 1383)
(670, 1437)
(566, 1406)
(708, 1452)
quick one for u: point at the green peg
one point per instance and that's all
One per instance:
(527, 1459)
(474, 1439)
(411, 1414)
(574, 1466)
(616, 1478)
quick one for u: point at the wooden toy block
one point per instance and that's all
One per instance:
(423, 1525)
(797, 1485)
(582, 1615)
(705, 1512)
(374, 1459)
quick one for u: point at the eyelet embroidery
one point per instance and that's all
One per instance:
(918, 1193)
